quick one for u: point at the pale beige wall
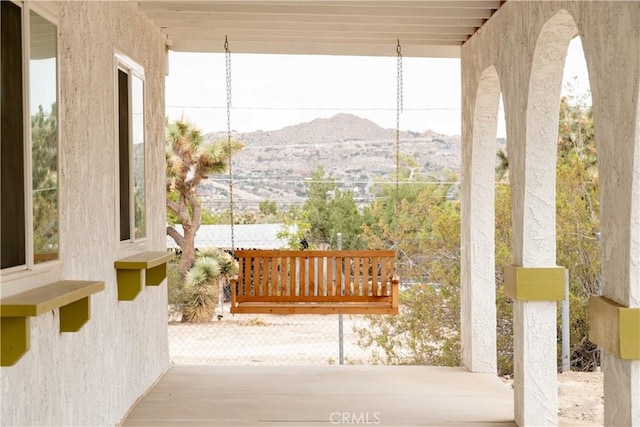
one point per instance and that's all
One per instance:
(94, 376)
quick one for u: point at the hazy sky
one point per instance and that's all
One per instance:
(273, 91)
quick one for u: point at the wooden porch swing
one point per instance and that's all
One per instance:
(313, 281)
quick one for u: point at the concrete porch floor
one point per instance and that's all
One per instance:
(324, 396)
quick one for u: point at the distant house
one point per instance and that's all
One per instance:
(246, 236)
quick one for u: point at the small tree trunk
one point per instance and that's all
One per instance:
(188, 252)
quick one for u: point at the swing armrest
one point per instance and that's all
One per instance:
(395, 289)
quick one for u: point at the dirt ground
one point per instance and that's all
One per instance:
(580, 398)
(314, 340)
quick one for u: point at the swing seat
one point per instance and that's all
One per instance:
(315, 282)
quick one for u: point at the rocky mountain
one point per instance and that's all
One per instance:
(273, 165)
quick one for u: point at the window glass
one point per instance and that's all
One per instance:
(137, 125)
(12, 193)
(123, 149)
(44, 137)
(133, 215)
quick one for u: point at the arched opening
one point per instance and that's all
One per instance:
(503, 252)
(578, 207)
(556, 221)
(477, 297)
(359, 150)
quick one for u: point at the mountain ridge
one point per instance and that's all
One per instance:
(353, 150)
(342, 126)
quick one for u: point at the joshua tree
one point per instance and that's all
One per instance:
(189, 160)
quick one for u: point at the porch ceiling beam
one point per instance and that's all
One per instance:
(286, 35)
(425, 4)
(326, 9)
(432, 49)
(199, 19)
(320, 27)
(249, 27)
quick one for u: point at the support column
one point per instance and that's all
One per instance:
(621, 391)
(534, 363)
(534, 227)
(613, 58)
(478, 295)
(534, 292)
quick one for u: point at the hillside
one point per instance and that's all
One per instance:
(273, 165)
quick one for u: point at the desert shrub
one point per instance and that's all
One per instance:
(201, 289)
(176, 293)
(196, 297)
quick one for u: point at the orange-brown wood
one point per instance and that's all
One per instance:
(395, 297)
(338, 308)
(312, 276)
(273, 277)
(281, 276)
(384, 276)
(320, 282)
(375, 263)
(266, 270)
(366, 286)
(303, 276)
(292, 276)
(356, 275)
(330, 280)
(246, 279)
(264, 253)
(321, 278)
(313, 298)
(339, 282)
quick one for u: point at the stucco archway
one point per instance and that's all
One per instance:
(477, 296)
(534, 225)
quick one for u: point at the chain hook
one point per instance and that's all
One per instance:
(226, 45)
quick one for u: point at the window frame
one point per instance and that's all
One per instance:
(124, 63)
(30, 266)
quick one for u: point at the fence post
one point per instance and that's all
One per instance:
(566, 319)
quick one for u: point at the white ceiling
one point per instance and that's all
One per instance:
(425, 28)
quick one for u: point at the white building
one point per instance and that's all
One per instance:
(245, 236)
(103, 63)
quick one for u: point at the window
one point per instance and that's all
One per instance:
(29, 138)
(131, 174)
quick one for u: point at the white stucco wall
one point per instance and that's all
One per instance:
(526, 42)
(478, 293)
(94, 376)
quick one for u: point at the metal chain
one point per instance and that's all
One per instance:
(399, 108)
(228, 78)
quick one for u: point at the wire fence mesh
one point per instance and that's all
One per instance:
(267, 339)
(260, 339)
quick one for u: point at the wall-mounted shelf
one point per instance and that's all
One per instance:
(72, 297)
(130, 272)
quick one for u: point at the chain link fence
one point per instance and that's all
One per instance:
(266, 339)
(259, 339)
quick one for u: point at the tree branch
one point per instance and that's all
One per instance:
(180, 210)
(175, 235)
(196, 209)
